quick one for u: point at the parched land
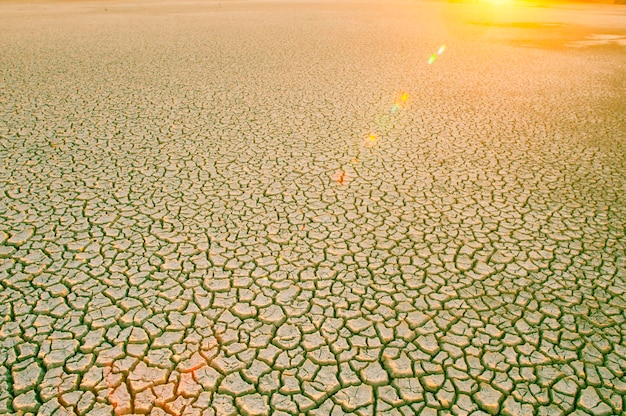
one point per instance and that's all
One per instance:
(255, 208)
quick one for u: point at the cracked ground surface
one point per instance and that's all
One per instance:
(214, 209)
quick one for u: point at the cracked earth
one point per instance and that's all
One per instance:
(225, 209)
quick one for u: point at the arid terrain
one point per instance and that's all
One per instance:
(312, 207)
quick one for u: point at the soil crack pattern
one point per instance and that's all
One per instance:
(312, 208)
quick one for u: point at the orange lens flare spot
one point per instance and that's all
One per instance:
(341, 177)
(371, 140)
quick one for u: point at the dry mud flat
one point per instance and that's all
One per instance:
(280, 208)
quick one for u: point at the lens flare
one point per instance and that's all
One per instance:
(432, 58)
(341, 177)
(401, 101)
(371, 140)
(441, 49)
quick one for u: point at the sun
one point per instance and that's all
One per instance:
(495, 2)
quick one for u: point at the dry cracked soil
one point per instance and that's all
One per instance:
(281, 208)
